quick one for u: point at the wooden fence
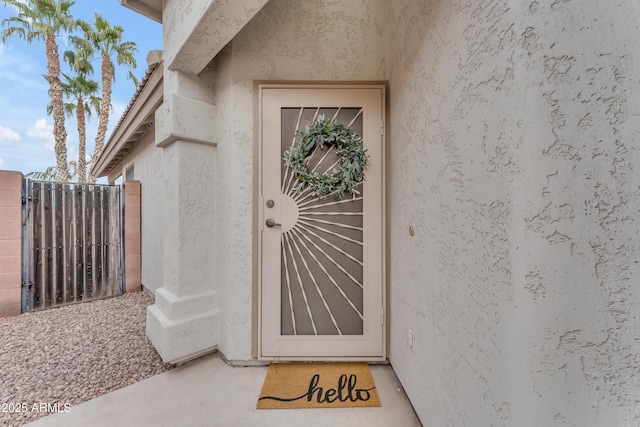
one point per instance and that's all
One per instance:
(72, 243)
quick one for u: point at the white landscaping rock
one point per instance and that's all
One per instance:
(72, 354)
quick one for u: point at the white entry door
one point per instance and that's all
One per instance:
(322, 263)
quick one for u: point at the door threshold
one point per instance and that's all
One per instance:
(378, 360)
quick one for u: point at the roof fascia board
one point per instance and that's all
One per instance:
(145, 105)
(145, 9)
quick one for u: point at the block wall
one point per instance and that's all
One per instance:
(10, 243)
(132, 256)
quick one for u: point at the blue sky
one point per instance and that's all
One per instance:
(26, 132)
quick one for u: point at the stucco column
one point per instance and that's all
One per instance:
(183, 323)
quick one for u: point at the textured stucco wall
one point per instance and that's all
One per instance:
(147, 161)
(514, 157)
(198, 30)
(311, 40)
(183, 322)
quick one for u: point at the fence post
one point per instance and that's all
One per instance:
(132, 241)
(10, 243)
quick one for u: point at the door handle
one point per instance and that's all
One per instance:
(271, 223)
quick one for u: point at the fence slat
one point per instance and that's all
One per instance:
(91, 249)
(30, 279)
(57, 243)
(81, 242)
(106, 272)
(48, 227)
(67, 248)
(64, 244)
(84, 242)
(99, 244)
(39, 278)
(26, 254)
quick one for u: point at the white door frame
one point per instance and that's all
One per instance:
(374, 249)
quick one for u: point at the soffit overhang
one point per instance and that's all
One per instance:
(206, 27)
(150, 8)
(215, 25)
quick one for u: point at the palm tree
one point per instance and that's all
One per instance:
(51, 173)
(45, 20)
(82, 90)
(106, 41)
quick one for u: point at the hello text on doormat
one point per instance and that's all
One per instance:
(318, 385)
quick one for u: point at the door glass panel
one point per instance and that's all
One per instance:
(322, 239)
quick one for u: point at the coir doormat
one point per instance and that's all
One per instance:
(318, 385)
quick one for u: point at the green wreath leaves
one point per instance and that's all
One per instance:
(341, 179)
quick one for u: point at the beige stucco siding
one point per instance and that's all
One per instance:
(514, 157)
(294, 41)
(146, 159)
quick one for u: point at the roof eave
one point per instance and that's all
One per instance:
(152, 9)
(135, 122)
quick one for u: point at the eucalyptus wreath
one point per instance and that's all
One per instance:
(339, 180)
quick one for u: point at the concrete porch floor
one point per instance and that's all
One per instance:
(208, 392)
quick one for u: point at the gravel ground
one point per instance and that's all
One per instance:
(57, 358)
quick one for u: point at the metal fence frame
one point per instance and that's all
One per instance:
(72, 243)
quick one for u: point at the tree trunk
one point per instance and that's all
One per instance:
(105, 104)
(82, 143)
(55, 92)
